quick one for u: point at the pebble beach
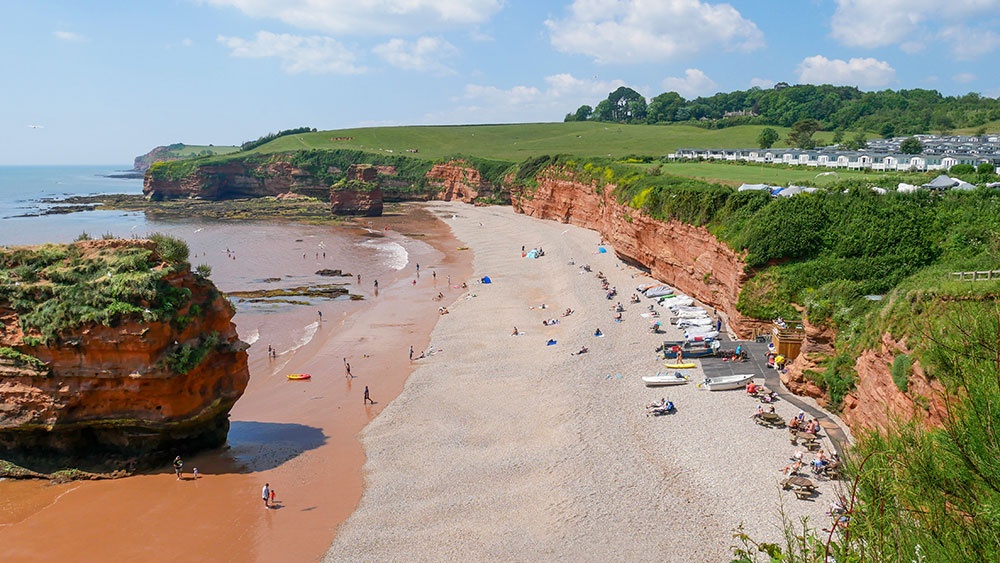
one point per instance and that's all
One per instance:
(504, 447)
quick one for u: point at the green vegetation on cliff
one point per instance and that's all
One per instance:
(54, 288)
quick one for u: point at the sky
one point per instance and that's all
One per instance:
(100, 82)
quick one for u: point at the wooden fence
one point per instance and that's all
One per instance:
(976, 276)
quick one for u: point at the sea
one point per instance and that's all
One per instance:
(25, 192)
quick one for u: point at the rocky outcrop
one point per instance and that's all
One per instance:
(124, 396)
(232, 180)
(687, 257)
(158, 154)
(358, 194)
(456, 180)
(817, 345)
(876, 400)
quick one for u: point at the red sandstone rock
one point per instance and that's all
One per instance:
(109, 393)
(458, 181)
(876, 399)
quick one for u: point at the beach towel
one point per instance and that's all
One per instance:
(602, 250)
(550, 343)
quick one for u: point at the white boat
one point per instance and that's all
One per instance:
(659, 291)
(699, 322)
(701, 333)
(726, 382)
(690, 308)
(657, 380)
(676, 301)
(686, 314)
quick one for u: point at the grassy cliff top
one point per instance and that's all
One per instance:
(516, 142)
(55, 287)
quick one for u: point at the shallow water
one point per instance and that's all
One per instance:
(298, 436)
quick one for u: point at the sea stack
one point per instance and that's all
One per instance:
(114, 356)
(357, 194)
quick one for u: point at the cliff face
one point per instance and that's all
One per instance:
(159, 154)
(358, 194)
(876, 399)
(123, 396)
(684, 256)
(458, 181)
(234, 179)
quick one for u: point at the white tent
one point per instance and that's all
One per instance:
(753, 187)
(905, 188)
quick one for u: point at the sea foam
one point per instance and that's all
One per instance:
(392, 253)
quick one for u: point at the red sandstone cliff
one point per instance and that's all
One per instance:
(111, 399)
(684, 256)
(876, 399)
(458, 181)
(234, 179)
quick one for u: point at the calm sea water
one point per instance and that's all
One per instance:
(24, 189)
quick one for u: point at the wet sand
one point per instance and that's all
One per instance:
(298, 436)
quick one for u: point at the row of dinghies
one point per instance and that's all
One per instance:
(701, 334)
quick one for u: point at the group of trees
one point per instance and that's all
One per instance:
(272, 136)
(889, 112)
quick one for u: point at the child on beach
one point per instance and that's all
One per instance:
(195, 473)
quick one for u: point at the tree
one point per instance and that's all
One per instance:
(604, 111)
(569, 117)
(767, 138)
(801, 134)
(584, 112)
(985, 169)
(637, 110)
(621, 103)
(980, 131)
(664, 107)
(911, 145)
(860, 141)
(888, 131)
(838, 136)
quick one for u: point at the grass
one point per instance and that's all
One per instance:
(517, 142)
(187, 151)
(737, 174)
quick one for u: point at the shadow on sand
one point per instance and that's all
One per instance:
(259, 446)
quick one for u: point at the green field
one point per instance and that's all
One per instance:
(747, 173)
(517, 142)
(187, 151)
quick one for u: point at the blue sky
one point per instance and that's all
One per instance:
(110, 80)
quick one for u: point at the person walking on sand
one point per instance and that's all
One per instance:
(359, 278)
(320, 313)
(178, 465)
(266, 494)
(376, 285)
(368, 398)
(411, 353)
(418, 269)
(347, 366)
(434, 275)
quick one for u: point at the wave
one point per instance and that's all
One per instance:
(393, 253)
(252, 337)
(307, 335)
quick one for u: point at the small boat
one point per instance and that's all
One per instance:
(698, 322)
(298, 376)
(690, 349)
(659, 291)
(680, 366)
(726, 382)
(665, 379)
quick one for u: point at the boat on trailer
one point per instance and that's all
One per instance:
(726, 382)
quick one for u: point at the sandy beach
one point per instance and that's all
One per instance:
(503, 447)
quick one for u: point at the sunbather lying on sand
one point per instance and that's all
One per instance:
(443, 310)
(583, 350)
(568, 312)
(661, 404)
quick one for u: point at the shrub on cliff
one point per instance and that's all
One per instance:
(169, 248)
(54, 288)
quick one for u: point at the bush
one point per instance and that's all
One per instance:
(962, 169)
(901, 371)
(203, 270)
(169, 248)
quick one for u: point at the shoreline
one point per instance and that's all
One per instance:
(300, 437)
(508, 448)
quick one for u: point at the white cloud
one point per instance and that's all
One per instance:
(186, 42)
(370, 17)
(964, 77)
(562, 93)
(867, 72)
(647, 30)
(693, 84)
(426, 54)
(764, 83)
(967, 43)
(68, 36)
(908, 23)
(313, 54)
